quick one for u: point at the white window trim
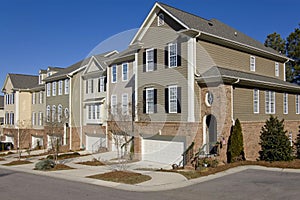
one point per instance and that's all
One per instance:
(59, 113)
(270, 107)
(256, 110)
(152, 61)
(67, 86)
(123, 78)
(169, 54)
(33, 98)
(41, 97)
(125, 104)
(102, 84)
(48, 89)
(112, 74)
(285, 103)
(40, 119)
(160, 19)
(171, 100)
(54, 87)
(48, 113)
(53, 113)
(114, 103)
(148, 111)
(277, 69)
(33, 119)
(297, 104)
(60, 86)
(252, 63)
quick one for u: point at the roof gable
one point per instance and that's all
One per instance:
(21, 81)
(93, 66)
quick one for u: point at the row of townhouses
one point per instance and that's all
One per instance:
(181, 84)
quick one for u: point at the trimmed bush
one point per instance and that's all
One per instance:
(45, 165)
(235, 150)
(275, 144)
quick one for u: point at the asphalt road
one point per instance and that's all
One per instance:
(248, 184)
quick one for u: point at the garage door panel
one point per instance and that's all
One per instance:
(93, 143)
(168, 152)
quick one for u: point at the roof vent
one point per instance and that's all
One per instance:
(209, 23)
(235, 33)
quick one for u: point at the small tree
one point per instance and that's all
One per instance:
(235, 150)
(297, 144)
(275, 145)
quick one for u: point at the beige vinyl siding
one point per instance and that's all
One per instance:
(243, 106)
(76, 100)
(209, 54)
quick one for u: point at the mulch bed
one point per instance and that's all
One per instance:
(122, 177)
(2, 159)
(92, 163)
(17, 162)
(58, 167)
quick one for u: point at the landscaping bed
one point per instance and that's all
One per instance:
(66, 156)
(17, 162)
(122, 177)
(93, 162)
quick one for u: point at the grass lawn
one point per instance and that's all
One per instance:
(17, 162)
(122, 177)
(191, 174)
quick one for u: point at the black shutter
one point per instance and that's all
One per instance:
(167, 100)
(144, 61)
(144, 101)
(86, 86)
(105, 82)
(178, 99)
(155, 100)
(179, 54)
(155, 59)
(166, 57)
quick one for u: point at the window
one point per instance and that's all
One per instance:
(101, 84)
(125, 104)
(297, 104)
(172, 99)
(54, 89)
(60, 85)
(40, 119)
(172, 48)
(12, 118)
(40, 79)
(285, 103)
(150, 100)
(114, 74)
(41, 97)
(270, 102)
(33, 98)
(59, 113)
(256, 101)
(33, 119)
(48, 113)
(53, 113)
(66, 113)
(49, 74)
(113, 104)
(125, 71)
(252, 63)
(67, 86)
(6, 118)
(12, 98)
(48, 89)
(160, 19)
(89, 112)
(149, 60)
(97, 106)
(89, 86)
(93, 113)
(276, 69)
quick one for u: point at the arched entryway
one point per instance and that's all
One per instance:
(210, 134)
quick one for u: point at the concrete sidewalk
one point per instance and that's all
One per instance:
(159, 180)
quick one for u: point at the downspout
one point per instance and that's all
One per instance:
(80, 112)
(70, 109)
(232, 117)
(284, 69)
(195, 52)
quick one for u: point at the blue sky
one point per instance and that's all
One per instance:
(35, 34)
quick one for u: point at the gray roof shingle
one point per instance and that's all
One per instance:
(1, 102)
(215, 27)
(23, 81)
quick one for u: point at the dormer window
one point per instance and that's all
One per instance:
(49, 74)
(160, 19)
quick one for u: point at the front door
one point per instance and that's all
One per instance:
(211, 138)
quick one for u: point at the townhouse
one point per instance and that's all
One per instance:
(192, 79)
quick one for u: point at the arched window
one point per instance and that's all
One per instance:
(66, 113)
(53, 113)
(48, 113)
(160, 20)
(59, 113)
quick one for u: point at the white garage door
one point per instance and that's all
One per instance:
(167, 152)
(94, 143)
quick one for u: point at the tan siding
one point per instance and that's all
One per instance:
(209, 54)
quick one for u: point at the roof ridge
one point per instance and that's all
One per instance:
(22, 74)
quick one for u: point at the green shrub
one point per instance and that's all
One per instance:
(235, 150)
(45, 164)
(275, 144)
(297, 144)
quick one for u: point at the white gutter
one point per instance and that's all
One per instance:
(70, 109)
(284, 70)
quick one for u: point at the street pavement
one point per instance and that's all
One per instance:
(160, 181)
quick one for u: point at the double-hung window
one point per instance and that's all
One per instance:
(256, 101)
(285, 103)
(53, 113)
(33, 98)
(48, 111)
(150, 60)
(125, 71)
(150, 100)
(67, 86)
(48, 89)
(101, 84)
(33, 119)
(54, 89)
(41, 97)
(60, 85)
(59, 113)
(40, 119)
(270, 102)
(172, 55)
(297, 104)
(276, 69)
(114, 74)
(173, 99)
(252, 63)
(125, 104)
(113, 104)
